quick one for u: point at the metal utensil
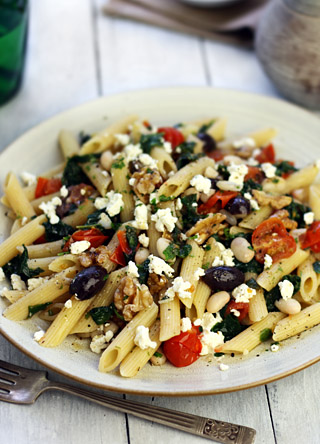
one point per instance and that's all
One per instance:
(19, 385)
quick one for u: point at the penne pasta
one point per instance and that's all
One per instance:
(68, 143)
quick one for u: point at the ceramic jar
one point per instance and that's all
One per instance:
(288, 46)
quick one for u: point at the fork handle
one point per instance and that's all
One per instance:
(223, 432)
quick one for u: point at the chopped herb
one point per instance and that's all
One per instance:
(265, 334)
(206, 265)
(274, 295)
(73, 174)
(229, 327)
(200, 329)
(105, 277)
(118, 164)
(164, 198)
(149, 141)
(217, 355)
(132, 239)
(143, 270)
(33, 309)
(253, 266)
(149, 171)
(284, 167)
(101, 315)
(173, 250)
(83, 137)
(57, 231)
(296, 212)
(63, 253)
(275, 180)
(119, 316)
(189, 212)
(316, 266)
(207, 248)
(204, 128)
(19, 265)
(223, 171)
(250, 185)
(158, 355)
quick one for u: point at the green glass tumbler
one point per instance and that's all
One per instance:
(13, 39)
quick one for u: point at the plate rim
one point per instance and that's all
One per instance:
(113, 388)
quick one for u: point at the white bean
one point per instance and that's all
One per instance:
(158, 360)
(217, 301)
(162, 244)
(211, 173)
(141, 255)
(242, 250)
(289, 306)
(106, 160)
(205, 197)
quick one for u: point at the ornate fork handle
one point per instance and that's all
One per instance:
(218, 431)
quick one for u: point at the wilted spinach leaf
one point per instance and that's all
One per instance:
(143, 270)
(19, 265)
(57, 231)
(149, 141)
(103, 314)
(229, 327)
(296, 212)
(274, 295)
(189, 212)
(33, 309)
(73, 174)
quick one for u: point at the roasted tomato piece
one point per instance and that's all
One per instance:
(267, 154)
(272, 238)
(242, 307)
(184, 349)
(222, 197)
(172, 135)
(312, 237)
(92, 235)
(255, 174)
(47, 186)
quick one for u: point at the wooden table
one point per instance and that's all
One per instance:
(76, 54)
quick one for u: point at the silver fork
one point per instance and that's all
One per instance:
(23, 386)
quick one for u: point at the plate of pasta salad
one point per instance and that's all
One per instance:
(165, 241)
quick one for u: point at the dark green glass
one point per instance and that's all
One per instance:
(13, 38)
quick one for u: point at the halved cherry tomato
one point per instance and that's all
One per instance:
(312, 237)
(271, 237)
(267, 154)
(41, 240)
(222, 197)
(255, 174)
(47, 186)
(216, 155)
(118, 257)
(242, 307)
(172, 135)
(92, 235)
(123, 242)
(184, 349)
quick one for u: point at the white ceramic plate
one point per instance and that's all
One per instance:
(211, 3)
(36, 151)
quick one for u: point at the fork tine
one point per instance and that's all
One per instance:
(6, 377)
(4, 388)
(11, 368)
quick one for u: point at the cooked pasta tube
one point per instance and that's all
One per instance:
(309, 280)
(250, 338)
(124, 342)
(314, 200)
(188, 270)
(269, 278)
(294, 324)
(153, 236)
(13, 295)
(218, 129)
(121, 184)
(103, 298)
(299, 179)
(43, 250)
(100, 178)
(54, 172)
(60, 263)
(64, 322)
(169, 319)
(16, 226)
(47, 292)
(255, 218)
(180, 181)
(138, 358)
(106, 139)
(36, 202)
(43, 263)
(68, 143)
(257, 307)
(16, 197)
(165, 163)
(79, 217)
(263, 137)
(25, 236)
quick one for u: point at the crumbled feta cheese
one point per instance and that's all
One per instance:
(140, 216)
(179, 204)
(28, 178)
(254, 204)
(167, 147)
(256, 152)
(186, 324)
(252, 162)
(132, 151)
(236, 178)
(208, 321)
(201, 183)
(178, 150)
(181, 288)
(210, 341)
(105, 221)
(64, 191)
(223, 367)
(148, 161)
(243, 293)
(235, 312)
(108, 336)
(159, 266)
(68, 303)
(164, 220)
(113, 203)
(2, 275)
(34, 283)
(24, 220)
(132, 270)
(49, 209)
(83, 191)
(217, 262)
(308, 217)
(17, 283)
(246, 141)
(198, 273)
(144, 240)
(98, 344)
(38, 335)
(142, 338)
(226, 257)
(274, 347)
(211, 173)
(269, 169)
(286, 289)
(153, 198)
(132, 181)
(267, 261)
(122, 139)
(79, 247)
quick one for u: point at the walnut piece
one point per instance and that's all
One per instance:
(205, 228)
(287, 222)
(94, 256)
(146, 182)
(130, 297)
(277, 202)
(157, 283)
